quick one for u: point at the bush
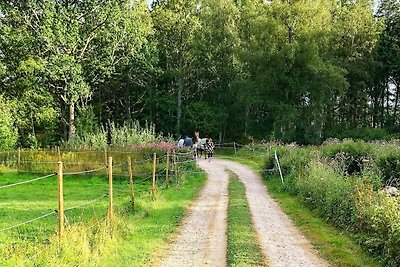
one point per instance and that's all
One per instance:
(378, 217)
(350, 155)
(388, 164)
(329, 193)
(366, 134)
(117, 137)
(327, 184)
(8, 132)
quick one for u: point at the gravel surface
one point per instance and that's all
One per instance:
(282, 244)
(201, 239)
(202, 236)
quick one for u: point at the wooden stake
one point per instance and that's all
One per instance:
(175, 167)
(105, 156)
(131, 182)
(19, 159)
(153, 187)
(234, 146)
(60, 199)
(110, 189)
(59, 153)
(166, 170)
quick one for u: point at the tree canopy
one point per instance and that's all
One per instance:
(294, 70)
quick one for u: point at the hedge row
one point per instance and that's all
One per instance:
(343, 182)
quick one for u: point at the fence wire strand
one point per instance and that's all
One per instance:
(28, 181)
(86, 203)
(28, 222)
(84, 172)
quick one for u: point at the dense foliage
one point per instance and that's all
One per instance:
(343, 181)
(291, 70)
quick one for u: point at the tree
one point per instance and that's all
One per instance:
(8, 131)
(176, 23)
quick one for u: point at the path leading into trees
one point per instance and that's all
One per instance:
(202, 236)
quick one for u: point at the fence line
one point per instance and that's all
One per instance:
(87, 203)
(160, 184)
(28, 181)
(29, 221)
(84, 172)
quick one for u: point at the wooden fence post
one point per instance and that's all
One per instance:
(60, 199)
(234, 147)
(167, 169)
(131, 182)
(175, 167)
(105, 156)
(110, 189)
(153, 187)
(19, 159)
(59, 153)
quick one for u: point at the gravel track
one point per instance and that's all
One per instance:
(201, 239)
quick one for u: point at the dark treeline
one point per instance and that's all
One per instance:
(295, 70)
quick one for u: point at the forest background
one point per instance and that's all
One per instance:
(293, 70)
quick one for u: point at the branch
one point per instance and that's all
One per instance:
(92, 34)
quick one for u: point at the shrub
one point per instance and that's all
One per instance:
(328, 192)
(349, 154)
(378, 217)
(388, 164)
(366, 134)
(117, 137)
(355, 203)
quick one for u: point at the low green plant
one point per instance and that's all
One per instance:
(243, 248)
(378, 217)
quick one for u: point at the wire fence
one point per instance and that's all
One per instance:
(179, 158)
(27, 181)
(154, 172)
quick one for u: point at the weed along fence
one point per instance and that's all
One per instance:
(43, 192)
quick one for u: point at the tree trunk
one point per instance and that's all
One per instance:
(246, 120)
(179, 108)
(64, 125)
(387, 104)
(395, 105)
(72, 128)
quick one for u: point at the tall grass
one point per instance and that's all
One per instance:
(342, 181)
(115, 136)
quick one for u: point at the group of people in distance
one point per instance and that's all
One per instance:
(198, 145)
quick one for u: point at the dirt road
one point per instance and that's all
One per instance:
(202, 237)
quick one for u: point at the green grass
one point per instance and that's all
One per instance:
(87, 241)
(334, 245)
(243, 248)
(153, 223)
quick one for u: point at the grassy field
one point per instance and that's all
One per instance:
(243, 248)
(338, 247)
(88, 240)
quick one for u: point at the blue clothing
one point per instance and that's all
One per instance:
(188, 142)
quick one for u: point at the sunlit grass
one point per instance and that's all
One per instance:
(88, 240)
(243, 248)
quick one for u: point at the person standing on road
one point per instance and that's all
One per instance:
(209, 147)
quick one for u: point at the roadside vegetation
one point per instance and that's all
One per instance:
(243, 245)
(335, 194)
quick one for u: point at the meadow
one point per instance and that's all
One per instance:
(89, 239)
